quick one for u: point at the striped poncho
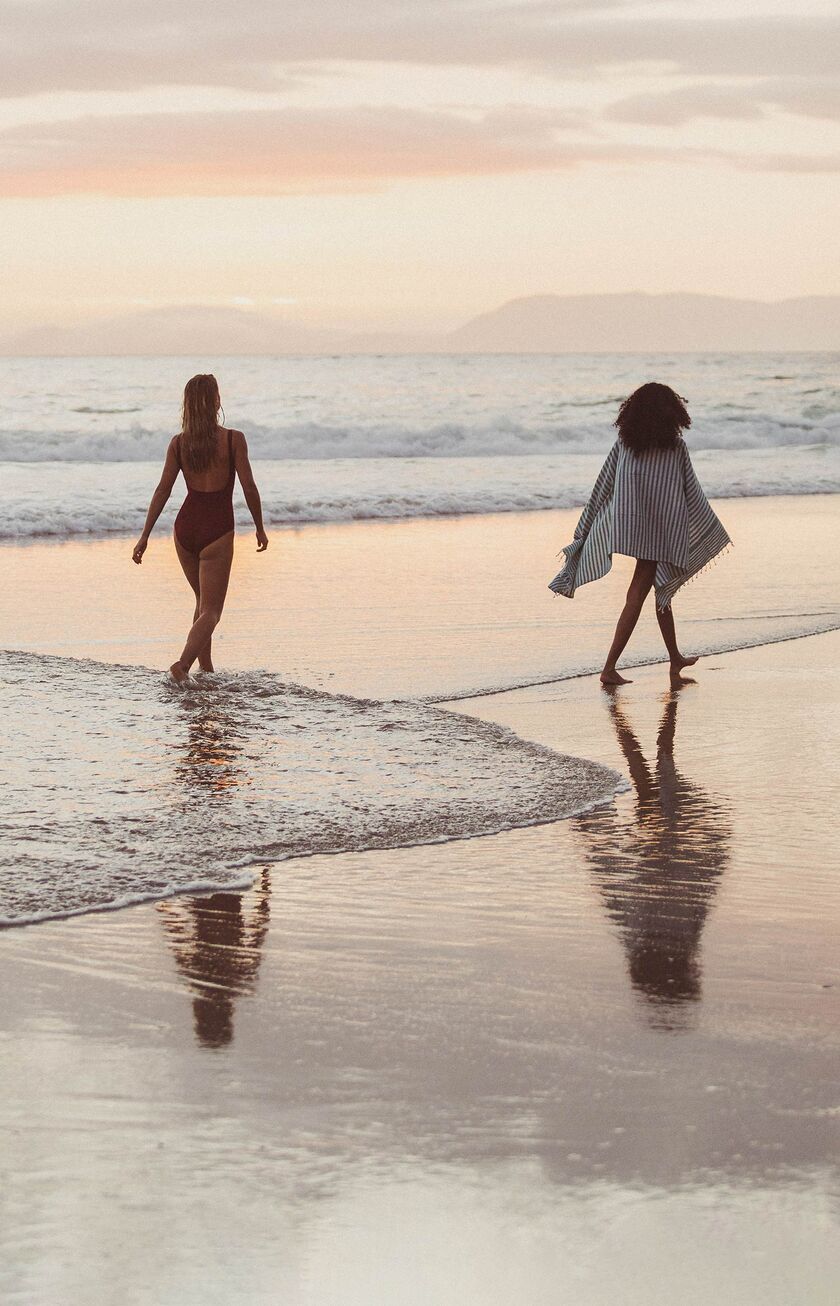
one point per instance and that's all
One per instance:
(646, 505)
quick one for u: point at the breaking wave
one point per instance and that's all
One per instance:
(63, 500)
(730, 429)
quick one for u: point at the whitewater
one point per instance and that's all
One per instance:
(133, 790)
(343, 439)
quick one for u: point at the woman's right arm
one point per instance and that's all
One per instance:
(160, 498)
(242, 463)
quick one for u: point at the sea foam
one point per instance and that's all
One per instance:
(120, 788)
(504, 436)
(61, 500)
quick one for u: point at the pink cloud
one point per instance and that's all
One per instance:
(281, 151)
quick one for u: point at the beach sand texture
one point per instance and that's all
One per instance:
(590, 1061)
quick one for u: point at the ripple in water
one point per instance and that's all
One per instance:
(121, 789)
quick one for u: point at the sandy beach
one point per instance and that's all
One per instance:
(592, 1060)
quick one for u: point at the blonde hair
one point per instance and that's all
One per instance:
(200, 421)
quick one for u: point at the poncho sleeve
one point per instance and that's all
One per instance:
(589, 556)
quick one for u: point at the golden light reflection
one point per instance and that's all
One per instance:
(207, 758)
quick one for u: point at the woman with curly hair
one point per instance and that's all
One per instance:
(647, 503)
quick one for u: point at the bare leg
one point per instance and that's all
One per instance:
(214, 565)
(640, 587)
(631, 748)
(190, 565)
(665, 617)
(205, 655)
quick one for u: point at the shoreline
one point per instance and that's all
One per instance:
(419, 608)
(628, 664)
(486, 707)
(434, 614)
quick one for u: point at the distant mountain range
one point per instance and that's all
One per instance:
(637, 323)
(541, 324)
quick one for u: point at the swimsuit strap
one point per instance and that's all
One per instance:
(231, 464)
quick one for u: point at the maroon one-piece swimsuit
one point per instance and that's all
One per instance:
(205, 515)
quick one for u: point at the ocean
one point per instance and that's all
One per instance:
(356, 438)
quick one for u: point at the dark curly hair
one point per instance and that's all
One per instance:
(652, 418)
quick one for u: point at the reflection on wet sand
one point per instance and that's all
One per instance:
(216, 940)
(217, 944)
(658, 870)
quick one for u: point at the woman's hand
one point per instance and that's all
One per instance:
(140, 549)
(262, 541)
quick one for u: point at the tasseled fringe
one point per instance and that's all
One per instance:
(713, 562)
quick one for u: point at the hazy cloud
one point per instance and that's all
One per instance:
(749, 66)
(803, 163)
(113, 44)
(811, 99)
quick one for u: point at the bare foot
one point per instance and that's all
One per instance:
(613, 678)
(677, 664)
(178, 672)
(208, 670)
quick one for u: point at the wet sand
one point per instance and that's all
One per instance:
(423, 607)
(589, 1062)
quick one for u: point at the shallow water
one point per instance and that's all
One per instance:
(119, 788)
(59, 500)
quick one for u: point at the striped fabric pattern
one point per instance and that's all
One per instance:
(647, 505)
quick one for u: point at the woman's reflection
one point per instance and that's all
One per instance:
(216, 940)
(657, 869)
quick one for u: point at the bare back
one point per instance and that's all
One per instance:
(215, 477)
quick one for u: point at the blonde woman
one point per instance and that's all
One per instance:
(210, 458)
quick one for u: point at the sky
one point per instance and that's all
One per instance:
(405, 164)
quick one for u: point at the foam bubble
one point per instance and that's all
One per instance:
(123, 789)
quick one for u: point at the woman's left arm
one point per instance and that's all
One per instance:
(160, 498)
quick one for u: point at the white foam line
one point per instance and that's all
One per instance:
(709, 651)
(425, 506)
(205, 888)
(234, 873)
(200, 887)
